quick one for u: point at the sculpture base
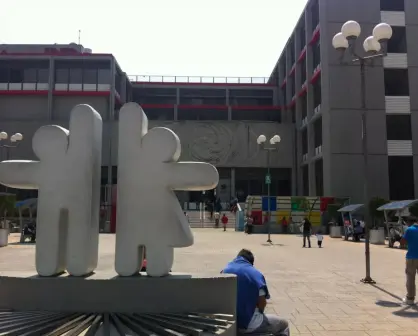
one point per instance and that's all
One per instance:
(116, 324)
(113, 303)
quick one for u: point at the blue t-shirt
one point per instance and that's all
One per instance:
(249, 281)
(411, 237)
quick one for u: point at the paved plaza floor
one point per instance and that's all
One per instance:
(318, 290)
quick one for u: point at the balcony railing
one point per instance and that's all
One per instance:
(199, 79)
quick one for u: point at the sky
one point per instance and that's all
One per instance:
(242, 38)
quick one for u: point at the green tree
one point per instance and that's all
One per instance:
(377, 217)
(7, 206)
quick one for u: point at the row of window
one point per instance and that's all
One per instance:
(398, 127)
(205, 101)
(66, 72)
(392, 5)
(401, 178)
(192, 114)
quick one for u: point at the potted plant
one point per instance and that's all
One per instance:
(7, 205)
(377, 231)
(335, 230)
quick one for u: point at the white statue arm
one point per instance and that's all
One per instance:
(193, 176)
(21, 174)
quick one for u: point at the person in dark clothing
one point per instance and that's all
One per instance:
(307, 227)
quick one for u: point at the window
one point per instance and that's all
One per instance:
(252, 94)
(396, 82)
(319, 177)
(315, 15)
(401, 178)
(317, 93)
(316, 51)
(302, 72)
(90, 76)
(29, 75)
(398, 127)
(4, 73)
(318, 132)
(392, 5)
(292, 52)
(305, 180)
(292, 86)
(16, 75)
(397, 43)
(257, 115)
(61, 76)
(302, 34)
(43, 75)
(304, 105)
(76, 76)
(160, 114)
(304, 142)
(103, 76)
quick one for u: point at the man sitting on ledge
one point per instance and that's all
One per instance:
(251, 298)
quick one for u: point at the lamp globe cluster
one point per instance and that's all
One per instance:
(14, 138)
(273, 141)
(351, 30)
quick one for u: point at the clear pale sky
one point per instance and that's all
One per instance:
(162, 37)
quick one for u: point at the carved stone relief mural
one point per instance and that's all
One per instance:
(230, 143)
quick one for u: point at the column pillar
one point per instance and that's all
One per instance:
(233, 192)
(227, 102)
(51, 86)
(122, 94)
(110, 117)
(310, 102)
(176, 111)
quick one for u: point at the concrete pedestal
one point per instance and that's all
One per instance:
(335, 232)
(110, 304)
(4, 237)
(377, 237)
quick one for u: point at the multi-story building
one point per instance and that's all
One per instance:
(217, 119)
(310, 100)
(323, 97)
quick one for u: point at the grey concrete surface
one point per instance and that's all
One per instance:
(317, 290)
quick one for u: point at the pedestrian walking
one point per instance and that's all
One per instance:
(224, 221)
(411, 269)
(307, 227)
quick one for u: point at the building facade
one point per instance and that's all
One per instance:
(323, 97)
(310, 100)
(218, 120)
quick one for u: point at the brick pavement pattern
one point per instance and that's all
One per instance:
(318, 290)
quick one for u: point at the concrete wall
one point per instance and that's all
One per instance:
(341, 107)
(223, 143)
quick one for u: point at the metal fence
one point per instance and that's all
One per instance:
(198, 79)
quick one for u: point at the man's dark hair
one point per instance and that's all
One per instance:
(247, 255)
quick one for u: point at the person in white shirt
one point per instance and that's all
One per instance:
(320, 238)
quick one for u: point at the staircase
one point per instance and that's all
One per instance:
(201, 219)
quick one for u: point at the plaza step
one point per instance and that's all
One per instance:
(201, 219)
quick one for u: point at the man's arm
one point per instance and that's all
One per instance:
(262, 302)
(404, 238)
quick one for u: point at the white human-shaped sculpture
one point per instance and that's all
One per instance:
(148, 212)
(68, 179)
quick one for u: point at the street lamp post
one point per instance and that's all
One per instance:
(375, 46)
(270, 146)
(14, 140)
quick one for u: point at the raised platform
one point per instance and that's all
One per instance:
(116, 324)
(175, 302)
